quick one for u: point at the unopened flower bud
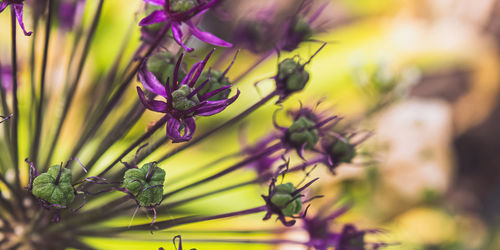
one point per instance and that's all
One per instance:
(303, 131)
(283, 199)
(215, 81)
(292, 77)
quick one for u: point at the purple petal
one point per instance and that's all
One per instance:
(317, 13)
(189, 75)
(155, 2)
(173, 126)
(214, 107)
(215, 92)
(18, 8)
(200, 69)
(207, 37)
(177, 32)
(154, 105)
(200, 8)
(3, 5)
(150, 82)
(156, 16)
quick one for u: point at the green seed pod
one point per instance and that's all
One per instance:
(180, 100)
(162, 65)
(292, 75)
(302, 28)
(282, 197)
(216, 81)
(147, 176)
(303, 131)
(182, 5)
(343, 151)
(54, 190)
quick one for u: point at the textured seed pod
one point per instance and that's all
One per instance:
(343, 151)
(216, 81)
(180, 100)
(303, 132)
(54, 190)
(292, 75)
(146, 183)
(162, 65)
(283, 199)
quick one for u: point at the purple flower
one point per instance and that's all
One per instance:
(176, 12)
(184, 100)
(322, 238)
(69, 12)
(6, 77)
(18, 6)
(300, 28)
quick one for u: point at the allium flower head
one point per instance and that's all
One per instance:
(184, 100)
(177, 12)
(18, 6)
(339, 148)
(305, 131)
(300, 27)
(321, 237)
(292, 76)
(285, 200)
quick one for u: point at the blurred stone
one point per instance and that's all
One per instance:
(416, 136)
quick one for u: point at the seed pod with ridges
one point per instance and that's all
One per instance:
(54, 190)
(150, 178)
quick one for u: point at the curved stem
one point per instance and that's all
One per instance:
(234, 120)
(39, 113)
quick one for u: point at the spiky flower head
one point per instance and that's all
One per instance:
(178, 12)
(184, 100)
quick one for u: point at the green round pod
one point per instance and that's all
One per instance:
(343, 151)
(136, 178)
(46, 188)
(162, 65)
(182, 5)
(292, 75)
(215, 82)
(180, 99)
(303, 131)
(282, 198)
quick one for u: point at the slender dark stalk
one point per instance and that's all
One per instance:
(254, 66)
(120, 129)
(204, 167)
(74, 86)
(96, 123)
(136, 143)
(234, 120)
(248, 241)
(39, 114)
(218, 191)
(6, 110)
(15, 107)
(236, 166)
(171, 223)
